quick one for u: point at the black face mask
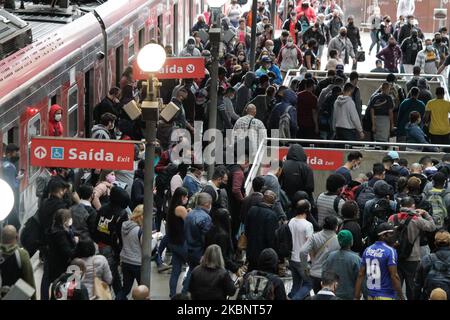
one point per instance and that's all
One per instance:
(414, 36)
(343, 34)
(351, 23)
(438, 40)
(222, 185)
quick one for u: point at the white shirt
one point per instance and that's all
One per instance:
(301, 230)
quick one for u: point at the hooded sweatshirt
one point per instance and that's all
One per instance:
(268, 262)
(345, 114)
(131, 250)
(296, 174)
(244, 92)
(289, 98)
(190, 53)
(55, 128)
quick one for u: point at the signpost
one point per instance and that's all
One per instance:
(175, 68)
(82, 153)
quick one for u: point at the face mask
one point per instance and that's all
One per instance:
(356, 167)
(191, 46)
(351, 23)
(141, 155)
(343, 34)
(111, 178)
(429, 48)
(391, 44)
(411, 22)
(414, 36)
(270, 48)
(438, 40)
(69, 223)
(58, 117)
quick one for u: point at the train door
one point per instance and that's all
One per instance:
(119, 64)
(141, 38)
(72, 113)
(175, 29)
(160, 29)
(88, 101)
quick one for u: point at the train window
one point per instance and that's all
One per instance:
(151, 33)
(72, 106)
(12, 136)
(131, 52)
(34, 129)
(141, 38)
(119, 64)
(160, 30)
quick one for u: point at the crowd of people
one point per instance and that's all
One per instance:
(365, 236)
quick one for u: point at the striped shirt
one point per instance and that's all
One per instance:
(325, 207)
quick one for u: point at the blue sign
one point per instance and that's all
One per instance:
(57, 153)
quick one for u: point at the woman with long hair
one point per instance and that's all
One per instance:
(175, 231)
(220, 234)
(210, 280)
(103, 188)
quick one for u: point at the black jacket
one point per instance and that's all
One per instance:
(110, 218)
(268, 262)
(137, 189)
(251, 200)
(405, 32)
(353, 226)
(218, 236)
(296, 174)
(106, 105)
(410, 48)
(260, 225)
(316, 35)
(47, 211)
(210, 284)
(353, 35)
(83, 220)
(62, 249)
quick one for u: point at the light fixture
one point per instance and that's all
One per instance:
(151, 58)
(7, 202)
(216, 3)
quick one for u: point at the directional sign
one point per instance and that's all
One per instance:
(175, 68)
(82, 153)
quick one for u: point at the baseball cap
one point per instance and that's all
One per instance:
(393, 155)
(266, 59)
(339, 67)
(385, 227)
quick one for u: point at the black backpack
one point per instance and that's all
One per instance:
(257, 286)
(403, 245)
(32, 236)
(283, 241)
(438, 276)
(380, 212)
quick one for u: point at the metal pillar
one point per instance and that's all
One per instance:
(253, 35)
(273, 11)
(150, 114)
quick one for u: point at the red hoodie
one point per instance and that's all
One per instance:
(55, 128)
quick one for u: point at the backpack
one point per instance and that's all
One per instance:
(438, 276)
(32, 236)
(4, 288)
(367, 120)
(404, 246)
(326, 113)
(350, 191)
(438, 210)
(283, 240)
(192, 203)
(284, 125)
(257, 286)
(380, 212)
(365, 194)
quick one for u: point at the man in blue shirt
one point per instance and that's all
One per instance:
(267, 66)
(379, 267)
(196, 225)
(354, 159)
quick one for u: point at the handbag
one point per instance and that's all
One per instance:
(361, 56)
(101, 288)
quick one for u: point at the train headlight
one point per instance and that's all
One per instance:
(7, 202)
(151, 58)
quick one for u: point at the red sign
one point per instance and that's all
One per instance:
(175, 68)
(82, 153)
(322, 160)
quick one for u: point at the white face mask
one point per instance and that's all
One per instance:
(69, 223)
(270, 48)
(58, 117)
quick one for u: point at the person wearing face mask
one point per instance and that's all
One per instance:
(410, 47)
(405, 30)
(391, 55)
(354, 159)
(190, 50)
(105, 127)
(315, 32)
(290, 57)
(386, 31)
(293, 25)
(440, 46)
(280, 42)
(428, 59)
(384, 282)
(103, 188)
(353, 34)
(343, 46)
(335, 24)
(62, 244)
(196, 225)
(55, 127)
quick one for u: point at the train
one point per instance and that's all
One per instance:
(65, 65)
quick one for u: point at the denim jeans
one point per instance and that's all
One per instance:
(301, 284)
(373, 36)
(193, 260)
(179, 255)
(162, 246)
(113, 262)
(406, 272)
(129, 272)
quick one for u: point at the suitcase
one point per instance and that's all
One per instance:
(132, 110)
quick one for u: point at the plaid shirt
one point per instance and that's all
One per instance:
(253, 127)
(427, 61)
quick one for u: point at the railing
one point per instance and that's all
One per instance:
(263, 147)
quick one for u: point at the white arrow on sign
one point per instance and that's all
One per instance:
(190, 68)
(40, 152)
